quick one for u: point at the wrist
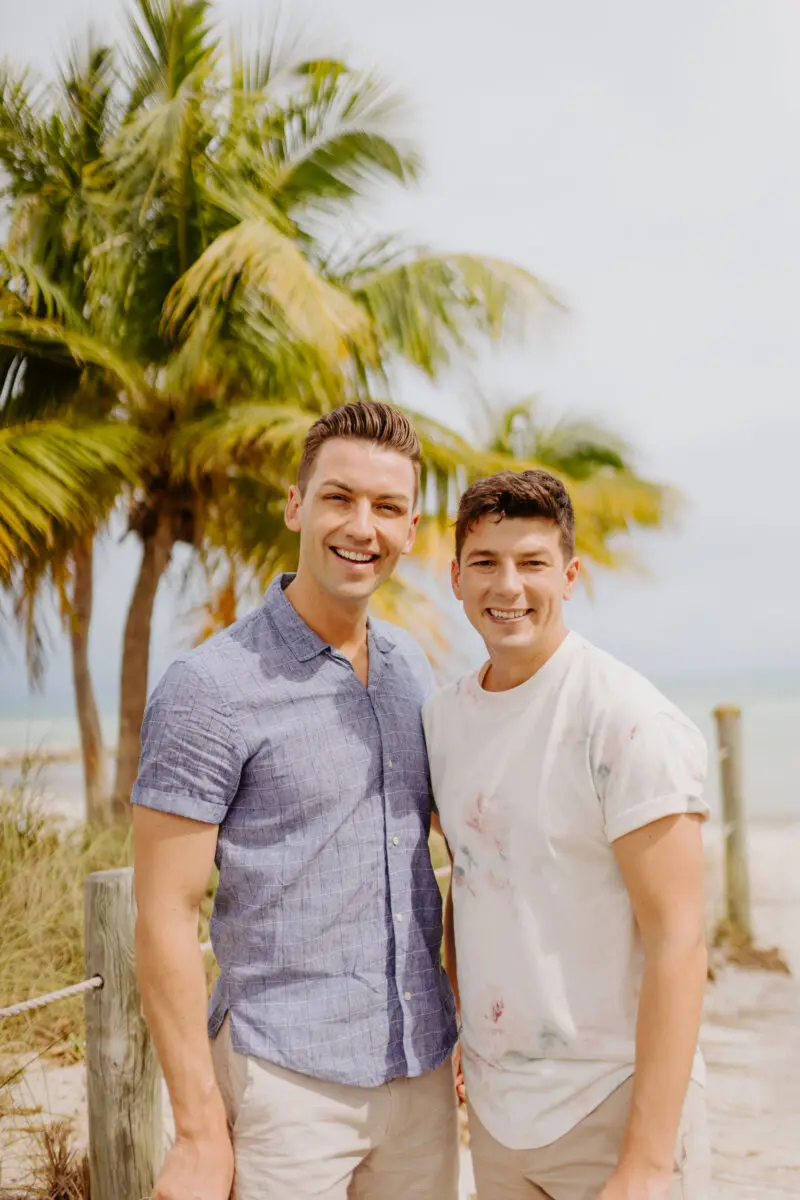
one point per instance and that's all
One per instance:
(633, 1166)
(204, 1121)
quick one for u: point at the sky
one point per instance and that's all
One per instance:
(642, 160)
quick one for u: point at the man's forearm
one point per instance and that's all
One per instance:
(670, 1011)
(173, 986)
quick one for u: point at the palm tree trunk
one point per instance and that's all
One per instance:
(157, 550)
(95, 764)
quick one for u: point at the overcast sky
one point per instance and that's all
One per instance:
(644, 160)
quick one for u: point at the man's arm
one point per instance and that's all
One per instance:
(189, 773)
(662, 866)
(173, 858)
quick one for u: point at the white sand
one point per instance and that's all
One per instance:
(751, 1039)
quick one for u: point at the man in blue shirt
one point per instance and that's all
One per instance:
(289, 750)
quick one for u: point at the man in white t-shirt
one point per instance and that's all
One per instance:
(570, 793)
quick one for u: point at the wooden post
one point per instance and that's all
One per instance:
(737, 881)
(123, 1079)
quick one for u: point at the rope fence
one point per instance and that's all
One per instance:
(75, 989)
(124, 1091)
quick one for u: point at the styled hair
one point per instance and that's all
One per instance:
(517, 494)
(367, 421)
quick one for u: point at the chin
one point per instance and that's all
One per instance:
(520, 639)
(354, 589)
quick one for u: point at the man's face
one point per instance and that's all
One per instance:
(356, 517)
(513, 579)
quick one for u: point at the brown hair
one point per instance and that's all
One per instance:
(517, 494)
(367, 420)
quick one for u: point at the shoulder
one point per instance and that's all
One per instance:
(619, 695)
(210, 668)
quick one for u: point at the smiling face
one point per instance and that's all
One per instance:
(355, 516)
(513, 579)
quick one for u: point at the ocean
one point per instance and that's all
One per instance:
(770, 732)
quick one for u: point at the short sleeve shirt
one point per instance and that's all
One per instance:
(327, 917)
(533, 786)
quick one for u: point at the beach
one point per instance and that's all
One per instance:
(750, 1038)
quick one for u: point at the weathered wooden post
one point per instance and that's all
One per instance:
(123, 1079)
(737, 880)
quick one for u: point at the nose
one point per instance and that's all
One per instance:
(507, 582)
(360, 525)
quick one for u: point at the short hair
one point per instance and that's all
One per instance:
(365, 420)
(517, 494)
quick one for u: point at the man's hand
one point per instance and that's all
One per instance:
(459, 1069)
(197, 1169)
(637, 1185)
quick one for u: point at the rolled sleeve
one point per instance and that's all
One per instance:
(192, 756)
(652, 771)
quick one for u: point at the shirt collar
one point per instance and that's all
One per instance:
(299, 637)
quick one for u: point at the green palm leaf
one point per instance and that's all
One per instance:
(55, 476)
(51, 340)
(428, 307)
(254, 267)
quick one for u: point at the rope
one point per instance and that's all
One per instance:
(88, 985)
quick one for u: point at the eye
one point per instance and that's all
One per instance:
(391, 508)
(534, 562)
(336, 496)
(483, 562)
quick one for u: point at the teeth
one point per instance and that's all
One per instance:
(352, 556)
(508, 614)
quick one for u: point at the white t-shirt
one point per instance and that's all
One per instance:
(532, 787)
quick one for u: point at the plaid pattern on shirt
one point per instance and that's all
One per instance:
(327, 922)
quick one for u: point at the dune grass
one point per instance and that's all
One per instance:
(42, 869)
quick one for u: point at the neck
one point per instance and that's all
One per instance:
(512, 668)
(343, 626)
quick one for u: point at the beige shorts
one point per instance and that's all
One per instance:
(576, 1166)
(295, 1137)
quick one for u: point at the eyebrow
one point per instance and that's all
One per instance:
(536, 552)
(345, 487)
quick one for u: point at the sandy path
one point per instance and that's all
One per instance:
(750, 1036)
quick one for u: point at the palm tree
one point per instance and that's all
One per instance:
(61, 479)
(223, 311)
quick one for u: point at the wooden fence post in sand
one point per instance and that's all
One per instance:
(123, 1080)
(737, 880)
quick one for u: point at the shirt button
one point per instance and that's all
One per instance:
(395, 841)
(391, 763)
(399, 916)
(407, 995)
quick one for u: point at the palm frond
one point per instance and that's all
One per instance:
(171, 40)
(262, 438)
(335, 141)
(55, 476)
(39, 296)
(428, 307)
(254, 267)
(49, 339)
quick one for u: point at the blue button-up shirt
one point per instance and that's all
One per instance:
(327, 921)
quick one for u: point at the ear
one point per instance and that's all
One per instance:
(412, 534)
(571, 578)
(292, 512)
(455, 578)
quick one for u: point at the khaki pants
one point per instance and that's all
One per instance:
(295, 1137)
(576, 1166)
